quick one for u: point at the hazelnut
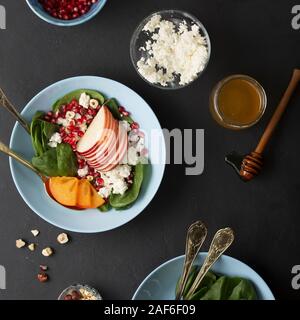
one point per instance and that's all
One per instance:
(35, 232)
(31, 247)
(62, 238)
(42, 277)
(94, 103)
(20, 243)
(47, 252)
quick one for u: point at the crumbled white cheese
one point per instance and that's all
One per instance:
(114, 181)
(77, 116)
(83, 172)
(62, 121)
(153, 23)
(55, 140)
(84, 100)
(105, 192)
(133, 137)
(134, 153)
(132, 156)
(125, 124)
(172, 52)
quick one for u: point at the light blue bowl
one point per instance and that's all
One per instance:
(30, 186)
(160, 284)
(37, 8)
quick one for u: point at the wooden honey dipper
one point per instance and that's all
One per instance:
(249, 166)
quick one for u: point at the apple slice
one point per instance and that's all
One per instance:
(114, 158)
(106, 145)
(103, 151)
(95, 132)
(102, 160)
(110, 124)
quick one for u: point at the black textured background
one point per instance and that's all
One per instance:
(252, 37)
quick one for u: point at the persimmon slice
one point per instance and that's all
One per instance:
(64, 190)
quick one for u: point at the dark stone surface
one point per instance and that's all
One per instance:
(252, 37)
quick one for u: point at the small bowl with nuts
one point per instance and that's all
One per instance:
(80, 292)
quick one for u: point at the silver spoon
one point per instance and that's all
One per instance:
(195, 237)
(220, 243)
(6, 104)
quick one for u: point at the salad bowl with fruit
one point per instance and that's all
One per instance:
(88, 136)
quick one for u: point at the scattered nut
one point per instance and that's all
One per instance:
(42, 277)
(62, 238)
(31, 247)
(35, 232)
(43, 267)
(94, 103)
(68, 297)
(47, 252)
(20, 243)
(90, 178)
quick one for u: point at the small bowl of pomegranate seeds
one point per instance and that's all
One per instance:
(66, 13)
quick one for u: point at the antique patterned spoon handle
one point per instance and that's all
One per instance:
(195, 237)
(6, 104)
(220, 243)
(5, 149)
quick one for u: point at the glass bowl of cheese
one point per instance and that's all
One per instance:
(170, 49)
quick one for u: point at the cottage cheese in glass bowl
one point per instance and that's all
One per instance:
(170, 49)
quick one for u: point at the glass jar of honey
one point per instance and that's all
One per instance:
(238, 102)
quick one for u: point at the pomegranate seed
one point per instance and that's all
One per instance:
(100, 181)
(53, 120)
(134, 126)
(80, 134)
(91, 112)
(122, 109)
(125, 113)
(47, 118)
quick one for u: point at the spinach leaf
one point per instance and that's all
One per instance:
(59, 161)
(113, 106)
(217, 290)
(213, 287)
(76, 95)
(122, 201)
(47, 163)
(199, 294)
(243, 290)
(104, 208)
(41, 131)
(66, 160)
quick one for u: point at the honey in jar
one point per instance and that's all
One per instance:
(238, 102)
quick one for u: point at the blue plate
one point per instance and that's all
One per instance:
(37, 8)
(30, 186)
(160, 284)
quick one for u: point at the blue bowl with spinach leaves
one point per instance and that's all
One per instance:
(38, 9)
(229, 278)
(30, 186)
